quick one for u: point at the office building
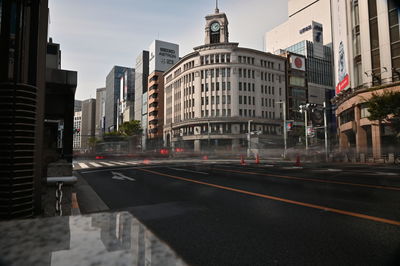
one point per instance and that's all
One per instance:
(88, 123)
(100, 112)
(77, 105)
(141, 81)
(113, 90)
(126, 97)
(299, 26)
(163, 55)
(367, 60)
(214, 94)
(77, 131)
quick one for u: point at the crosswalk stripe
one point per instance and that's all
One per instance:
(118, 163)
(107, 164)
(83, 165)
(132, 163)
(95, 164)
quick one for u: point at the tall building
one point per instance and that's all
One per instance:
(126, 97)
(113, 88)
(100, 111)
(214, 94)
(77, 131)
(77, 105)
(141, 81)
(88, 123)
(367, 60)
(299, 26)
(163, 55)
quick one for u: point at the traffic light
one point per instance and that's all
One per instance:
(289, 125)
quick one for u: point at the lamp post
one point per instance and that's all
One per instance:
(248, 137)
(284, 128)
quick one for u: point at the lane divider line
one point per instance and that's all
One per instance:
(312, 179)
(293, 202)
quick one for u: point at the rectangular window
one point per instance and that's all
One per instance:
(206, 86)
(217, 86)
(240, 59)
(240, 86)
(249, 99)
(240, 112)
(229, 112)
(212, 73)
(253, 74)
(212, 100)
(240, 99)
(222, 72)
(217, 112)
(262, 75)
(229, 99)
(223, 112)
(254, 100)
(217, 99)
(253, 87)
(223, 85)
(244, 73)
(212, 86)
(207, 102)
(244, 100)
(245, 112)
(217, 58)
(240, 72)
(228, 85)
(262, 88)
(228, 72)
(217, 72)
(223, 99)
(222, 58)
(228, 58)
(202, 100)
(202, 87)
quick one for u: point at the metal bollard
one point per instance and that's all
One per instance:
(59, 182)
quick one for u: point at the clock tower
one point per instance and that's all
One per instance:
(216, 30)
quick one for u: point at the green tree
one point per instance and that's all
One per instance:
(92, 141)
(131, 128)
(386, 108)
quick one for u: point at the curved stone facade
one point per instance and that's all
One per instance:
(357, 134)
(216, 90)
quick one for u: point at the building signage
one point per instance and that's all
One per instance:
(317, 32)
(305, 29)
(340, 45)
(297, 62)
(163, 55)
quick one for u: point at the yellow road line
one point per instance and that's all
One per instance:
(299, 203)
(311, 179)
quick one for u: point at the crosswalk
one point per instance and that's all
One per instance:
(97, 164)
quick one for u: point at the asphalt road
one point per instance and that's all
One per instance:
(229, 214)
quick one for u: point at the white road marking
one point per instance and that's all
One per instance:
(107, 164)
(118, 163)
(134, 163)
(292, 167)
(187, 170)
(83, 165)
(95, 164)
(120, 176)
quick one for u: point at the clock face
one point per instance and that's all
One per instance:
(215, 26)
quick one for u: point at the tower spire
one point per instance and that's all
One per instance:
(216, 7)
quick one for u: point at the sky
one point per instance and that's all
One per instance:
(95, 35)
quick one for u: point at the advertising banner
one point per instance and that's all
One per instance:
(297, 62)
(340, 45)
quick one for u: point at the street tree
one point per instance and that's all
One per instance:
(386, 108)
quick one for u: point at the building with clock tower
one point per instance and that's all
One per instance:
(216, 28)
(219, 93)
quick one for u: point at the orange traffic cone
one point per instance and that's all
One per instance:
(257, 159)
(242, 162)
(297, 160)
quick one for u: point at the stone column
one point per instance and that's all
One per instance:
(361, 134)
(376, 140)
(197, 145)
(343, 142)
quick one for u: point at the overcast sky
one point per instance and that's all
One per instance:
(95, 35)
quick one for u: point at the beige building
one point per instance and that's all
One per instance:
(367, 60)
(215, 93)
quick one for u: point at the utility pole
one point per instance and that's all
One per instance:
(306, 126)
(326, 132)
(248, 137)
(284, 128)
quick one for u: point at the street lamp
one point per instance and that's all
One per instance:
(284, 128)
(248, 137)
